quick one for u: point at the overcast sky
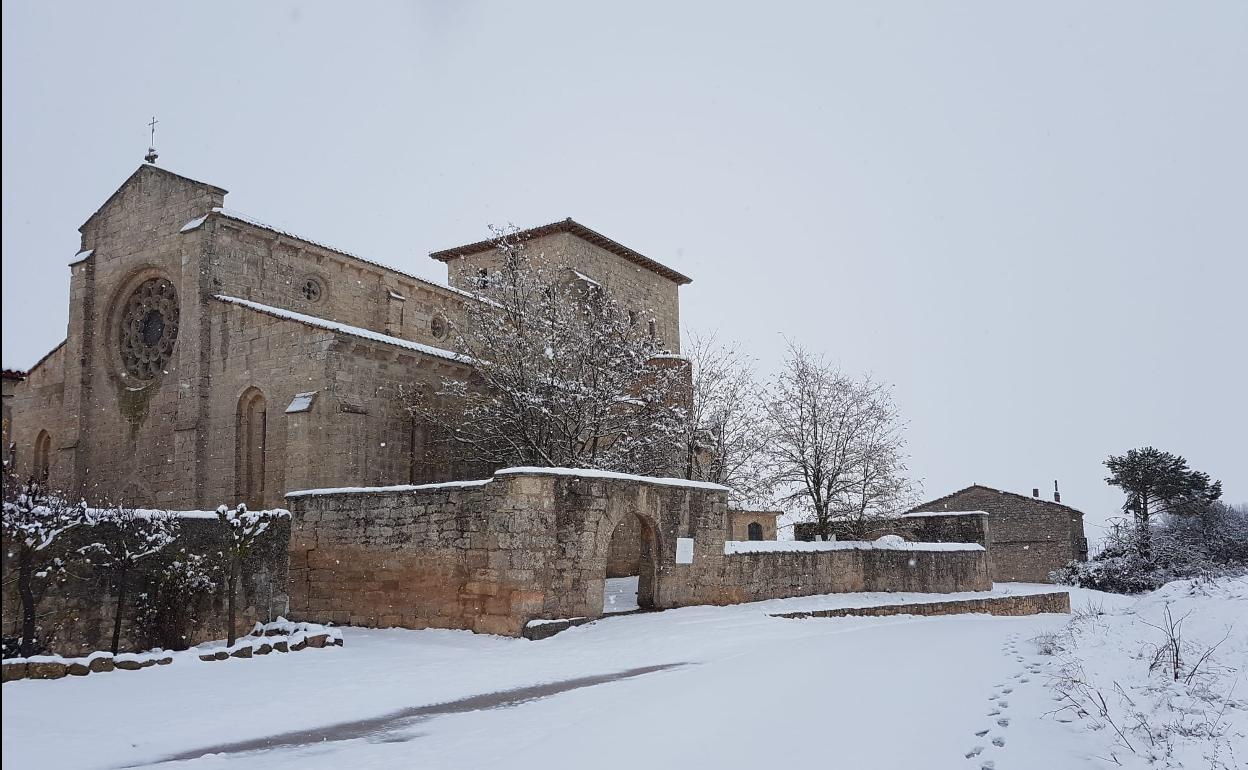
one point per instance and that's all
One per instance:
(1034, 221)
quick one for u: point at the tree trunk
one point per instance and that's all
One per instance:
(25, 584)
(122, 580)
(235, 571)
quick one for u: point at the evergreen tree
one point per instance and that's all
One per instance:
(1158, 482)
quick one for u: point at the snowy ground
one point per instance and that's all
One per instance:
(723, 687)
(620, 595)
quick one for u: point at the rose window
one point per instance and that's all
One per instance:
(149, 327)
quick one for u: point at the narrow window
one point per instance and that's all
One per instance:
(43, 456)
(251, 427)
(654, 330)
(755, 531)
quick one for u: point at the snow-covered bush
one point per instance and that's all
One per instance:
(34, 521)
(1210, 543)
(121, 539)
(173, 604)
(245, 528)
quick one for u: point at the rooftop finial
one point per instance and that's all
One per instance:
(151, 155)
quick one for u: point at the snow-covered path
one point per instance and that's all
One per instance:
(699, 687)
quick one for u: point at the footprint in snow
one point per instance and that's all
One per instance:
(1024, 680)
(1007, 691)
(981, 733)
(998, 741)
(1003, 722)
(989, 765)
(974, 752)
(993, 713)
(994, 696)
(1005, 704)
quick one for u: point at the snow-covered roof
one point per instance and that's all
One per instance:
(80, 256)
(334, 326)
(588, 473)
(883, 544)
(568, 225)
(393, 488)
(926, 514)
(591, 473)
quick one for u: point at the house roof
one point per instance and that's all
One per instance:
(1028, 498)
(14, 374)
(568, 225)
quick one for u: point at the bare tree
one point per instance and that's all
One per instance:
(880, 488)
(562, 375)
(835, 444)
(125, 537)
(33, 523)
(725, 435)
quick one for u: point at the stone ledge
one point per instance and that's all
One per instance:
(1028, 604)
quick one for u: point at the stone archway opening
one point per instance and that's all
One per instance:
(631, 567)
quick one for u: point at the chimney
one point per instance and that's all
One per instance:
(1035, 491)
(1057, 496)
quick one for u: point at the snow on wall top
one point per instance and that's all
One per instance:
(588, 473)
(591, 473)
(886, 543)
(393, 488)
(150, 512)
(334, 326)
(924, 514)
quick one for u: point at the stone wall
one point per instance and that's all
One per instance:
(75, 617)
(533, 544)
(778, 574)
(1010, 606)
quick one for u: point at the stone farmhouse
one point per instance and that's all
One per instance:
(1028, 537)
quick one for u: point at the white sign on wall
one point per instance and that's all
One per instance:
(684, 550)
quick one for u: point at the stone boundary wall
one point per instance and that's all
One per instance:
(75, 617)
(535, 544)
(959, 527)
(1027, 604)
(781, 574)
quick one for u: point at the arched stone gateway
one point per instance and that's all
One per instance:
(632, 567)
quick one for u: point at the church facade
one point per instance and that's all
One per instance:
(210, 358)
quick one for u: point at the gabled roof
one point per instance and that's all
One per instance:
(1028, 498)
(150, 168)
(568, 225)
(341, 328)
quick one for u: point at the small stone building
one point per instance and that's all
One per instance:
(1028, 537)
(752, 525)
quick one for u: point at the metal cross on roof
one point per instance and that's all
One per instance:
(151, 148)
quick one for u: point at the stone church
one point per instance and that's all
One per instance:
(210, 358)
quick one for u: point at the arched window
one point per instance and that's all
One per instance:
(249, 449)
(754, 531)
(43, 455)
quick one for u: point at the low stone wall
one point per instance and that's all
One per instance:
(1027, 604)
(959, 527)
(75, 616)
(752, 577)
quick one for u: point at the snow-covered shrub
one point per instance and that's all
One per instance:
(121, 539)
(1210, 543)
(245, 528)
(171, 607)
(34, 521)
